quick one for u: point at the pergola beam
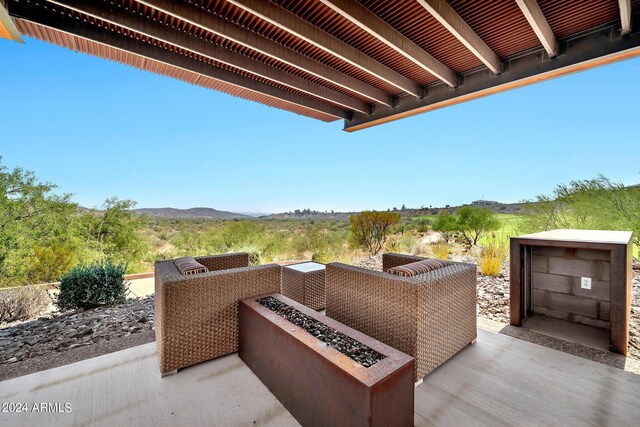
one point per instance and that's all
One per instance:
(7, 29)
(540, 26)
(378, 28)
(201, 47)
(625, 16)
(450, 19)
(300, 28)
(583, 52)
(92, 33)
(230, 31)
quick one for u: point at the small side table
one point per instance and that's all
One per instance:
(304, 283)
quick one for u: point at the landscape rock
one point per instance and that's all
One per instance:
(371, 263)
(65, 331)
(346, 345)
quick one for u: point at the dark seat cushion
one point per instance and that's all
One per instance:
(418, 267)
(188, 266)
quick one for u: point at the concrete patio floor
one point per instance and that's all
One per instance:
(498, 381)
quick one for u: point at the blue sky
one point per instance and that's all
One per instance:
(99, 129)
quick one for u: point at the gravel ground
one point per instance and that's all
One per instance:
(493, 304)
(58, 339)
(56, 359)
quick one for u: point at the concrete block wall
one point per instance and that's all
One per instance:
(556, 290)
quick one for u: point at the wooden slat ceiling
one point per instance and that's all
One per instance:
(349, 75)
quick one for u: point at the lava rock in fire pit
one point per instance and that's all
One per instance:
(357, 351)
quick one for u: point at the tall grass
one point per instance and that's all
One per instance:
(441, 250)
(491, 257)
(402, 244)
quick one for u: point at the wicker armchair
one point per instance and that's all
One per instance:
(431, 316)
(196, 317)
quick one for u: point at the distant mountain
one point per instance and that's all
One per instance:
(209, 213)
(204, 213)
(308, 214)
(255, 214)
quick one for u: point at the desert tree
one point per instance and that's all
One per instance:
(31, 216)
(473, 222)
(470, 222)
(369, 229)
(598, 203)
(446, 224)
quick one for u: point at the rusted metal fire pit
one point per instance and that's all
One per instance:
(318, 384)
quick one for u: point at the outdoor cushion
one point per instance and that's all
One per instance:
(188, 266)
(418, 267)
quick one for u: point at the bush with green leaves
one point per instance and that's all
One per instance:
(90, 286)
(255, 257)
(469, 222)
(114, 232)
(369, 229)
(446, 224)
(49, 263)
(30, 214)
(593, 204)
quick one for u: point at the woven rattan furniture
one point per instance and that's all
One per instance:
(304, 283)
(430, 316)
(196, 316)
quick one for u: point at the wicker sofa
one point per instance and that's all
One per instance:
(430, 316)
(196, 317)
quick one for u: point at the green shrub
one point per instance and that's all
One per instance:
(254, 258)
(22, 303)
(323, 257)
(89, 286)
(254, 255)
(446, 224)
(423, 225)
(330, 254)
(49, 263)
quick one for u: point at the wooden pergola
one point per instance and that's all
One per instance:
(367, 62)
